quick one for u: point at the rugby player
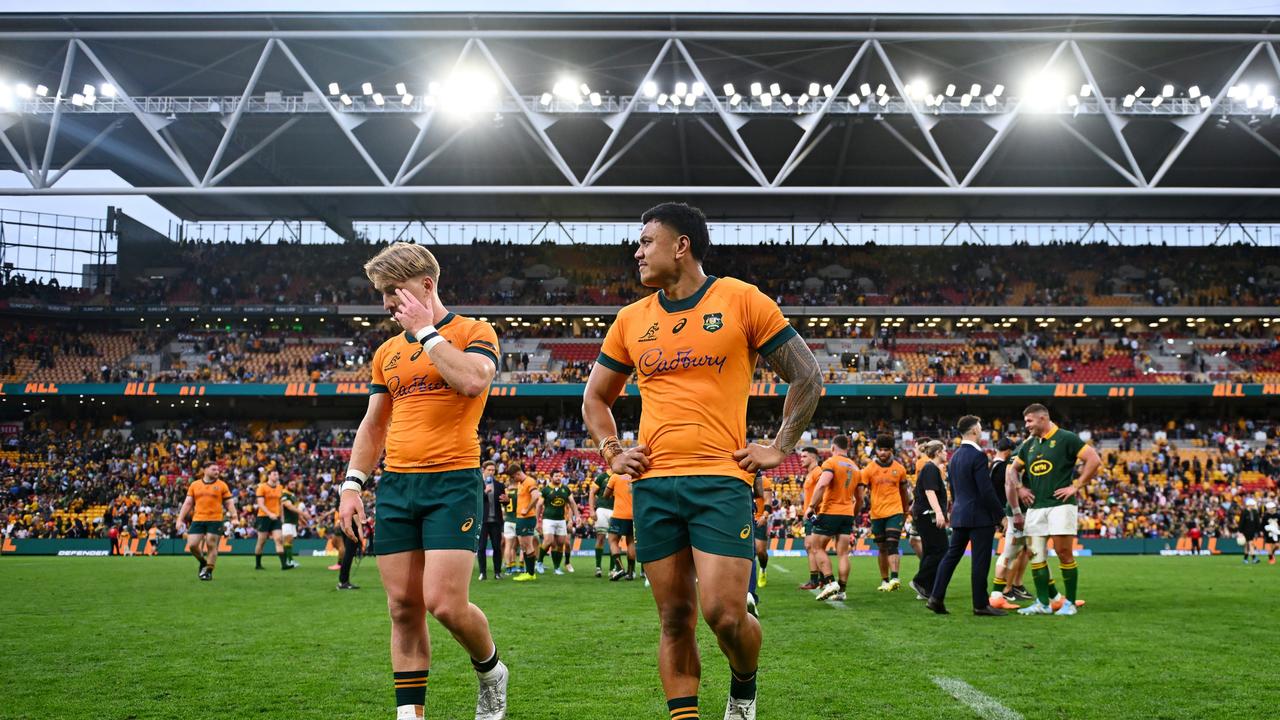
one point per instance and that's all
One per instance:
(886, 479)
(764, 508)
(833, 508)
(555, 499)
(268, 522)
(600, 508)
(528, 497)
(291, 512)
(621, 527)
(811, 460)
(209, 496)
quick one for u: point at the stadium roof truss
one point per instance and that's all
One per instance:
(512, 117)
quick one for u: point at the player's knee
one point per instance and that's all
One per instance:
(722, 618)
(678, 619)
(405, 609)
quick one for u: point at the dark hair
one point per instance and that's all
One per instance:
(1004, 444)
(884, 441)
(513, 468)
(1036, 409)
(489, 463)
(685, 220)
(966, 423)
(812, 449)
(841, 441)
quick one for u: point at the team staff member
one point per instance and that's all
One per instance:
(528, 497)
(268, 523)
(495, 497)
(929, 514)
(428, 392)
(208, 496)
(694, 345)
(886, 480)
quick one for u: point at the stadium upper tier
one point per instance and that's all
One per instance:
(921, 352)
(506, 275)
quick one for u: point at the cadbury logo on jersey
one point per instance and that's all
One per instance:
(653, 361)
(419, 384)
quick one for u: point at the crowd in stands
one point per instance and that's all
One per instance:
(68, 480)
(815, 275)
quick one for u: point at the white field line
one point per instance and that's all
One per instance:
(984, 705)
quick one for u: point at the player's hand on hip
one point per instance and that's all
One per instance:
(1065, 492)
(351, 507)
(755, 457)
(410, 312)
(633, 461)
(1026, 497)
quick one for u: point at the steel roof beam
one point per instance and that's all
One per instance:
(730, 190)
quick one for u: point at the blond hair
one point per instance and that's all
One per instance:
(931, 448)
(401, 262)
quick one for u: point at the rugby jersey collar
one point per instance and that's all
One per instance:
(689, 303)
(448, 318)
(1053, 430)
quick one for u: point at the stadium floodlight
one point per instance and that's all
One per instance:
(89, 90)
(696, 89)
(584, 89)
(434, 88)
(1086, 90)
(401, 89)
(828, 90)
(880, 89)
(650, 89)
(1167, 91)
(814, 89)
(77, 100)
(681, 89)
(1128, 101)
(545, 100)
(662, 98)
(766, 99)
(787, 99)
(865, 89)
(366, 88)
(1251, 102)
(728, 89)
(975, 90)
(596, 99)
(937, 99)
(1141, 89)
(1234, 92)
(733, 101)
(334, 89)
(1269, 102)
(378, 99)
(965, 100)
(775, 89)
(803, 99)
(1259, 90)
(566, 88)
(951, 89)
(406, 99)
(1205, 102)
(883, 100)
(690, 99)
(1072, 101)
(1156, 101)
(23, 91)
(346, 99)
(91, 99)
(1193, 92)
(756, 89)
(921, 87)
(42, 91)
(997, 91)
(990, 100)
(854, 100)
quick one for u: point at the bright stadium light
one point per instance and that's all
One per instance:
(1251, 102)
(865, 89)
(854, 100)
(1166, 91)
(965, 100)
(681, 89)
(89, 90)
(883, 100)
(690, 99)
(997, 91)
(1235, 92)
(1156, 101)
(756, 89)
(401, 89)
(880, 89)
(1128, 101)
(584, 89)
(696, 90)
(1269, 102)
(545, 100)
(976, 90)
(1086, 90)
(775, 89)
(803, 99)
(1259, 90)
(650, 89)
(366, 88)
(662, 98)
(766, 99)
(566, 88)
(42, 91)
(1141, 89)
(406, 99)
(23, 91)
(951, 89)
(1205, 102)
(828, 91)
(346, 99)
(1072, 101)
(728, 89)
(814, 89)
(378, 99)
(1193, 92)
(596, 99)
(787, 99)
(990, 100)
(334, 89)
(733, 101)
(77, 100)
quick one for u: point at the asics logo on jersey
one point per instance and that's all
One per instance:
(467, 525)
(653, 362)
(679, 326)
(746, 532)
(651, 335)
(1040, 467)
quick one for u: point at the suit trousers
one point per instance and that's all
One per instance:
(491, 534)
(933, 545)
(982, 539)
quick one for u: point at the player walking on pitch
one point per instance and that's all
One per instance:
(268, 522)
(693, 345)
(886, 480)
(600, 508)
(1043, 472)
(833, 508)
(426, 397)
(207, 496)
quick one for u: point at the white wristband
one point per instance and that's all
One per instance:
(352, 485)
(352, 472)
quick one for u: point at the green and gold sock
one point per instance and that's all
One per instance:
(411, 687)
(998, 586)
(1070, 579)
(1044, 584)
(742, 686)
(684, 708)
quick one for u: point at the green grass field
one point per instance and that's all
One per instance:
(142, 638)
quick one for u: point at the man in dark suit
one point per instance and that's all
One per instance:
(495, 497)
(975, 512)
